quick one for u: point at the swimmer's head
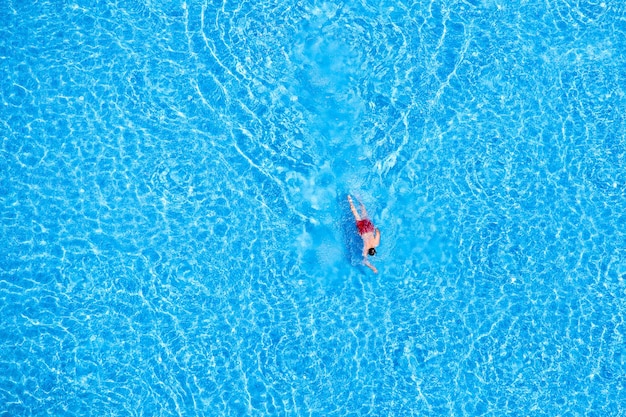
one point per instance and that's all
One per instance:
(371, 252)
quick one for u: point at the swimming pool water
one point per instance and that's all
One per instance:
(175, 234)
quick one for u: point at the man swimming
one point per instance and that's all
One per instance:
(367, 231)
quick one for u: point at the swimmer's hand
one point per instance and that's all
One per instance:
(370, 266)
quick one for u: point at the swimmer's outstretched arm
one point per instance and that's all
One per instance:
(370, 266)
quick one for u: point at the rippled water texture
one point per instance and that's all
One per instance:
(175, 237)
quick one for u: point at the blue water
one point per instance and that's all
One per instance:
(175, 237)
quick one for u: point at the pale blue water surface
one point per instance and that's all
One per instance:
(175, 238)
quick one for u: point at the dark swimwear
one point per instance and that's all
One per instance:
(364, 226)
